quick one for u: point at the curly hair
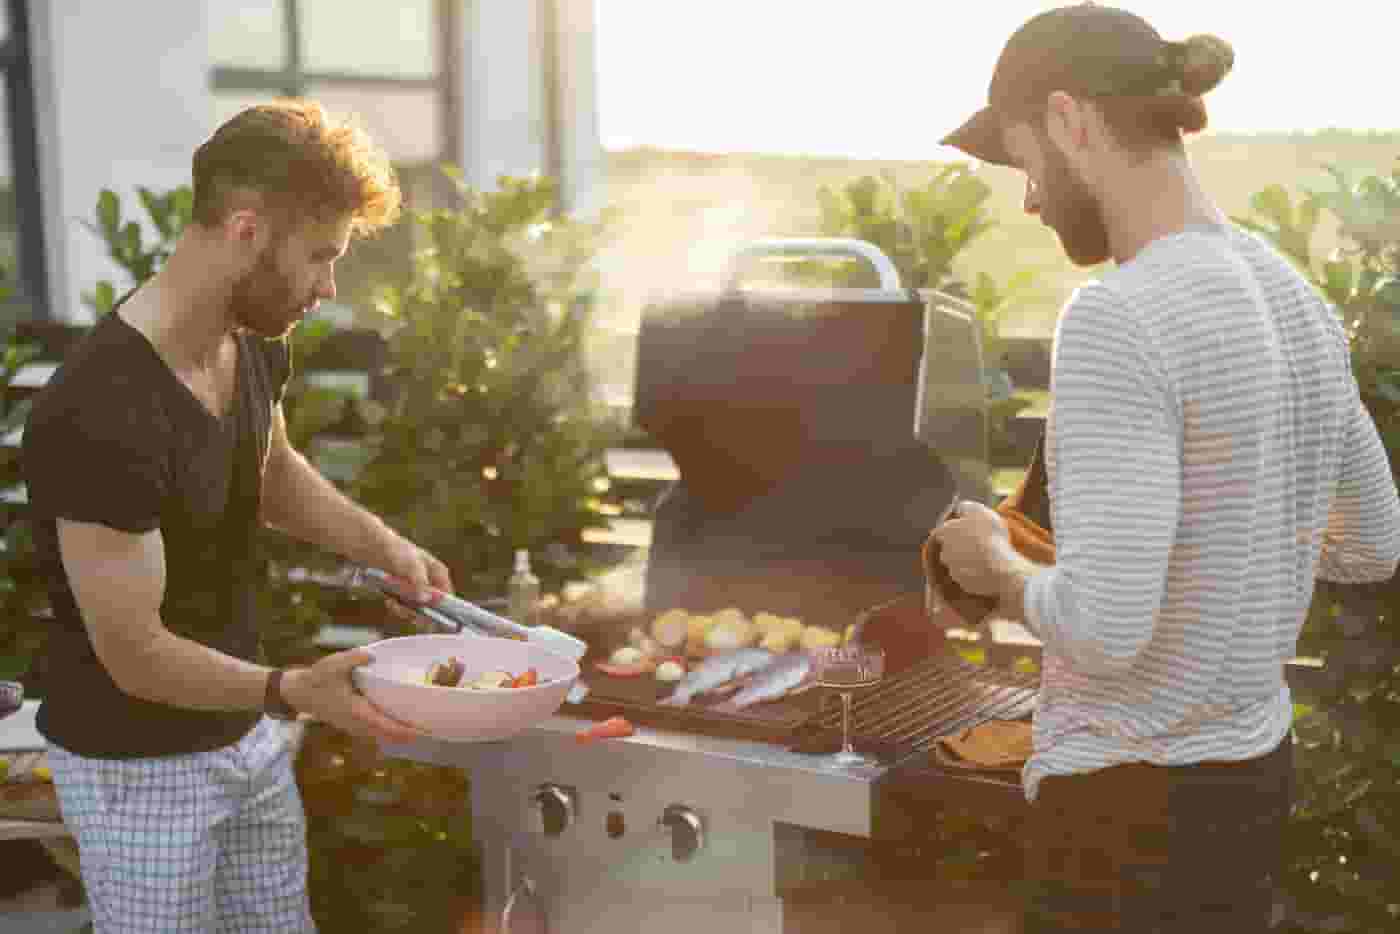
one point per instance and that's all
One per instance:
(306, 165)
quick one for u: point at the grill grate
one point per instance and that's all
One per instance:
(904, 715)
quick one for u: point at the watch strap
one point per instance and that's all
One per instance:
(274, 704)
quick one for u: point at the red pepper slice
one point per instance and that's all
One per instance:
(611, 728)
(528, 680)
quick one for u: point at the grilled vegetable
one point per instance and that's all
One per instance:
(493, 679)
(446, 674)
(627, 655)
(671, 628)
(731, 630)
(627, 662)
(780, 639)
(529, 679)
(672, 669)
(766, 622)
(611, 728)
(819, 637)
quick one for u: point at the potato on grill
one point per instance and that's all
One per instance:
(819, 637)
(671, 628)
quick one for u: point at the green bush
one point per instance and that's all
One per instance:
(494, 441)
(1344, 843)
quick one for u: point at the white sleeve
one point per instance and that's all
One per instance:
(1362, 539)
(1115, 489)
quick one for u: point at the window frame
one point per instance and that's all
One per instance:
(293, 79)
(31, 292)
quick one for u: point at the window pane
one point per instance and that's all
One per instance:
(396, 39)
(247, 33)
(407, 122)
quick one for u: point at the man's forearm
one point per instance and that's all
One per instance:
(300, 502)
(179, 672)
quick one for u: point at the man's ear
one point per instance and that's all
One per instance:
(243, 226)
(248, 224)
(1067, 123)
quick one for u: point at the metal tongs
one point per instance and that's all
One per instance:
(452, 614)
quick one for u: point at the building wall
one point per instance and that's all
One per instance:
(119, 105)
(123, 104)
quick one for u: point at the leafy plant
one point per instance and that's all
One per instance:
(22, 594)
(167, 212)
(1344, 839)
(921, 228)
(493, 441)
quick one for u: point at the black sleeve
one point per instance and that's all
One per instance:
(102, 461)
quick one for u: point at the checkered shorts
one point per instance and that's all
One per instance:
(207, 842)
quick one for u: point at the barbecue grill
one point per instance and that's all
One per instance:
(819, 434)
(679, 825)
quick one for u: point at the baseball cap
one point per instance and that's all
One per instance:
(1085, 50)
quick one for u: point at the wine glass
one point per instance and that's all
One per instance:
(847, 669)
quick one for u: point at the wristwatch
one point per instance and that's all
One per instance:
(274, 704)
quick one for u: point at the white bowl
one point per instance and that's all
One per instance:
(394, 682)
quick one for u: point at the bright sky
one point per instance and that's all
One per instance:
(886, 78)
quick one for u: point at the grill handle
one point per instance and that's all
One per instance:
(800, 247)
(524, 913)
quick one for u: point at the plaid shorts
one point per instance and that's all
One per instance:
(207, 842)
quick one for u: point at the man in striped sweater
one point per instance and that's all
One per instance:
(1208, 459)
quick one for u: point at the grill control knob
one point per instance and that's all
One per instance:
(687, 831)
(555, 807)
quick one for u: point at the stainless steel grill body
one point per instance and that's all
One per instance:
(594, 828)
(591, 878)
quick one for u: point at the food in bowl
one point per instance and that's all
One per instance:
(453, 674)
(395, 683)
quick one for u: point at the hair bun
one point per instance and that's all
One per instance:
(1204, 61)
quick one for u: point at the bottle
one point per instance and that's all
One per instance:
(523, 592)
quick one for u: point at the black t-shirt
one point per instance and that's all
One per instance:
(115, 438)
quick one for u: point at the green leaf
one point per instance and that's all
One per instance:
(1309, 212)
(108, 213)
(1337, 281)
(181, 208)
(105, 297)
(1388, 385)
(13, 667)
(1273, 203)
(157, 208)
(130, 242)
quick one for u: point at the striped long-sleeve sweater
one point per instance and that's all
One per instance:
(1208, 458)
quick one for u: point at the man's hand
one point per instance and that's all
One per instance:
(326, 692)
(412, 564)
(976, 549)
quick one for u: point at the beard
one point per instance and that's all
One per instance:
(264, 301)
(1070, 209)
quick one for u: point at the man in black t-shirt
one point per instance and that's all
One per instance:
(152, 458)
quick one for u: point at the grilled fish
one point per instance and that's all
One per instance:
(788, 674)
(716, 672)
